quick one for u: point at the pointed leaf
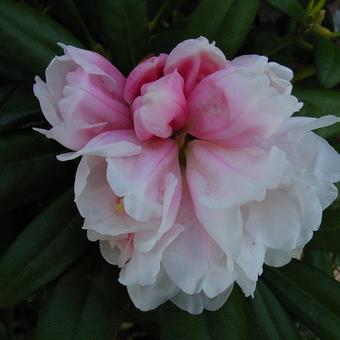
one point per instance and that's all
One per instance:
(18, 107)
(308, 294)
(292, 8)
(87, 302)
(274, 322)
(327, 61)
(46, 247)
(29, 37)
(236, 25)
(29, 168)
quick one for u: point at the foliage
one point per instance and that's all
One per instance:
(53, 283)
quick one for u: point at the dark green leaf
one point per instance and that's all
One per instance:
(3, 332)
(232, 321)
(271, 316)
(85, 303)
(317, 103)
(46, 247)
(207, 19)
(321, 260)
(10, 72)
(29, 37)
(121, 25)
(328, 236)
(165, 41)
(18, 107)
(236, 25)
(327, 61)
(29, 168)
(308, 294)
(290, 7)
(68, 14)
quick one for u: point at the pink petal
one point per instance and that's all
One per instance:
(194, 59)
(161, 109)
(237, 108)
(144, 73)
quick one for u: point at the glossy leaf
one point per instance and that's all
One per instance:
(18, 107)
(89, 300)
(236, 25)
(29, 168)
(122, 27)
(271, 316)
(29, 37)
(46, 247)
(308, 294)
(328, 236)
(327, 61)
(292, 8)
(200, 23)
(317, 103)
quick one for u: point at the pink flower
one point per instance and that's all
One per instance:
(213, 179)
(82, 97)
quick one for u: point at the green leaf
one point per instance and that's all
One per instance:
(29, 168)
(232, 321)
(327, 61)
(68, 14)
(207, 19)
(122, 26)
(10, 72)
(271, 316)
(85, 303)
(29, 37)
(236, 25)
(165, 41)
(46, 247)
(328, 236)
(319, 259)
(290, 7)
(18, 107)
(317, 103)
(308, 294)
(3, 332)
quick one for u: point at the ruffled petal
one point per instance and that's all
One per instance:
(194, 59)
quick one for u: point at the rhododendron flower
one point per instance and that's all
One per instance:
(193, 173)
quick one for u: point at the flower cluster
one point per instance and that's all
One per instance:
(193, 173)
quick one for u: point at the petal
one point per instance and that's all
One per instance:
(195, 304)
(237, 108)
(151, 296)
(221, 180)
(94, 63)
(144, 267)
(194, 59)
(145, 72)
(278, 257)
(161, 109)
(108, 144)
(193, 261)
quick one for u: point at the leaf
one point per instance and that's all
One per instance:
(165, 41)
(327, 61)
(29, 168)
(10, 72)
(309, 295)
(93, 309)
(290, 7)
(68, 14)
(18, 107)
(29, 37)
(3, 332)
(274, 321)
(319, 259)
(236, 25)
(317, 103)
(328, 236)
(122, 26)
(231, 321)
(46, 247)
(207, 19)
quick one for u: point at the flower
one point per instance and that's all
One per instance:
(212, 179)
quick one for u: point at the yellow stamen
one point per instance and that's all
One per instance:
(119, 207)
